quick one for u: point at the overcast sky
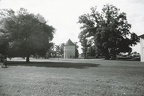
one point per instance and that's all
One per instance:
(63, 14)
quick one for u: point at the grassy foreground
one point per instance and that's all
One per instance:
(73, 77)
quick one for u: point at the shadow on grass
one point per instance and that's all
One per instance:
(53, 64)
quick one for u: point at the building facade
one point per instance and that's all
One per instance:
(142, 47)
(69, 49)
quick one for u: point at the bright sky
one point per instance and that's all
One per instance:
(63, 14)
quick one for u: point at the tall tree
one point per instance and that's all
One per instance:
(83, 40)
(26, 33)
(110, 30)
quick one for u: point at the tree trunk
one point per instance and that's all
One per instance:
(113, 57)
(27, 59)
(107, 55)
(85, 55)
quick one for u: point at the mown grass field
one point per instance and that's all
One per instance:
(72, 77)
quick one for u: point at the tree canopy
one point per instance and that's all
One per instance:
(109, 30)
(26, 34)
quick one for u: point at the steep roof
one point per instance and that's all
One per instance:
(142, 36)
(69, 43)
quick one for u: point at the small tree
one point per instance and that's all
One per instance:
(76, 50)
(60, 49)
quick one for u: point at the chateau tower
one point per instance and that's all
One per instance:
(69, 49)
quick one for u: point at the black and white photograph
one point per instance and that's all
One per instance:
(71, 48)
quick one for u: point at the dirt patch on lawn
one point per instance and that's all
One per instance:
(53, 64)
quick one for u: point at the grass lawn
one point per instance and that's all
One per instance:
(72, 77)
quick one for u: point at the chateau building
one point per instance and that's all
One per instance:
(69, 49)
(142, 47)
